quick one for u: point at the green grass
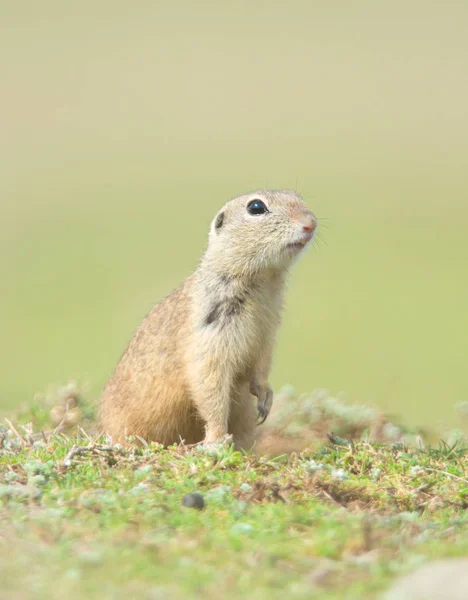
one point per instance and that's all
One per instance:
(341, 520)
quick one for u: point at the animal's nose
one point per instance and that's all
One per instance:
(310, 224)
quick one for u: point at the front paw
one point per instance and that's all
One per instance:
(265, 400)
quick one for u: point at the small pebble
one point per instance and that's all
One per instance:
(193, 501)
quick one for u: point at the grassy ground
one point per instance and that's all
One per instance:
(83, 518)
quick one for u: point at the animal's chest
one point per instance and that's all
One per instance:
(243, 324)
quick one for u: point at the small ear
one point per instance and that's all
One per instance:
(219, 221)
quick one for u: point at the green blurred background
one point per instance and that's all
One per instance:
(124, 127)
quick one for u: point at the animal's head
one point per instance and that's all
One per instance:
(263, 230)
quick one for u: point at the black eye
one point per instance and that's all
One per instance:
(256, 207)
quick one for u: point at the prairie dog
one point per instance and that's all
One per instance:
(191, 369)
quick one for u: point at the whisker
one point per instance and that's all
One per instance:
(318, 242)
(322, 239)
(323, 226)
(316, 247)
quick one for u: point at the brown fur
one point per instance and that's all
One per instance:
(189, 372)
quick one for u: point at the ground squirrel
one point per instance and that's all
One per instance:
(191, 369)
